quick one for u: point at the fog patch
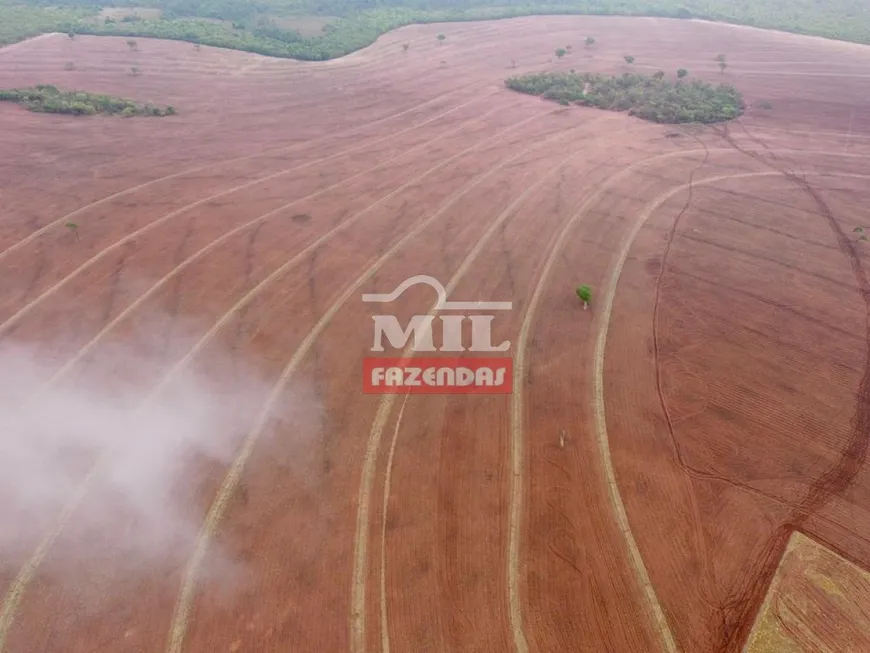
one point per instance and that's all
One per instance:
(149, 463)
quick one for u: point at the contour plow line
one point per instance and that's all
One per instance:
(385, 625)
(516, 418)
(289, 148)
(25, 575)
(517, 448)
(316, 243)
(598, 374)
(358, 589)
(14, 319)
(218, 509)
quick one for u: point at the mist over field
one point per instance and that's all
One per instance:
(141, 508)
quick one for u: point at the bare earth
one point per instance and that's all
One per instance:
(638, 489)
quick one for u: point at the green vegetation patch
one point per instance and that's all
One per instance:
(649, 97)
(50, 99)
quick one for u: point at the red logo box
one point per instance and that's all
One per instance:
(437, 375)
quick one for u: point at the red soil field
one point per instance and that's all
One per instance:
(636, 490)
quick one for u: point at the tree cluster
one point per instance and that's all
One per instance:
(652, 98)
(50, 99)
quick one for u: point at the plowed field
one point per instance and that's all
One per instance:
(188, 461)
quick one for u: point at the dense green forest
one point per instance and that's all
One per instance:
(651, 97)
(50, 99)
(267, 27)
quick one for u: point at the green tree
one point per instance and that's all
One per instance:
(135, 71)
(720, 58)
(71, 35)
(132, 44)
(405, 47)
(629, 59)
(659, 75)
(441, 38)
(589, 41)
(73, 227)
(682, 72)
(585, 295)
(561, 52)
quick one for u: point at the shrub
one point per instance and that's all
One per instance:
(682, 72)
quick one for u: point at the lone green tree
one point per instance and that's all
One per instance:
(589, 41)
(73, 227)
(71, 35)
(682, 72)
(135, 71)
(585, 295)
(629, 59)
(132, 44)
(405, 47)
(441, 38)
(561, 52)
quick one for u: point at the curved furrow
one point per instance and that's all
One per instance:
(25, 575)
(21, 313)
(215, 515)
(290, 148)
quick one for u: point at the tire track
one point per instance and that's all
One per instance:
(16, 318)
(841, 475)
(69, 216)
(697, 531)
(215, 515)
(28, 571)
(736, 629)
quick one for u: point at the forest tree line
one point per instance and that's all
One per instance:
(253, 25)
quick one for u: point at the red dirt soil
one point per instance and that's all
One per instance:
(732, 385)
